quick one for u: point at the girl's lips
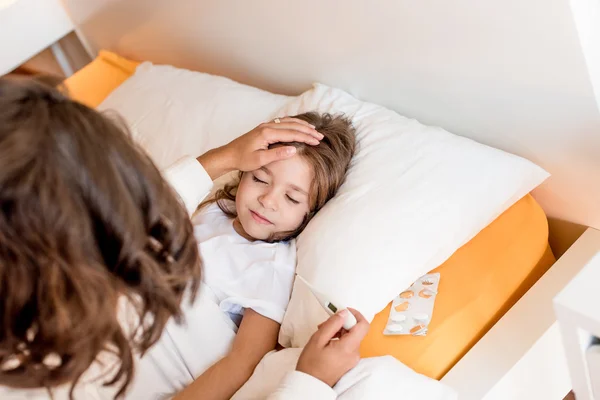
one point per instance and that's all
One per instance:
(260, 219)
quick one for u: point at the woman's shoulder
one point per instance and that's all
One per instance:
(90, 386)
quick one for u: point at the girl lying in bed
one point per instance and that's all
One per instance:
(245, 236)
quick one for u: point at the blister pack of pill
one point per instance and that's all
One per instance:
(412, 310)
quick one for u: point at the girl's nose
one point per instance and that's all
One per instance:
(268, 200)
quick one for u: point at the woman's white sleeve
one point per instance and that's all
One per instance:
(300, 386)
(190, 180)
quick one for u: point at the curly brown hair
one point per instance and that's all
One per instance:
(329, 161)
(86, 220)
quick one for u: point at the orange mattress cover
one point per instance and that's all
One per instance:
(91, 84)
(478, 284)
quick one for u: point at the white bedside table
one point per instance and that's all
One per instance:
(577, 308)
(29, 26)
(522, 357)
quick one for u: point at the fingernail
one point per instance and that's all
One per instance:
(315, 141)
(343, 313)
(312, 126)
(290, 150)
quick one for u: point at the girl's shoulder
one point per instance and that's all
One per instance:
(284, 253)
(209, 213)
(287, 253)
(210, 222)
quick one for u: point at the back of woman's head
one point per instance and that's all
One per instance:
(85, 218)
(329, 162)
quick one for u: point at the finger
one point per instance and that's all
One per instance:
(272, 155)
(321, 324)
(286, 136)
(354, 337)
(359, 317)
(330, 328)
(290, 119)
(298, 120)
(337, 335)
(294, 126)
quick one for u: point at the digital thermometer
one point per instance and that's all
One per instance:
(330, 306)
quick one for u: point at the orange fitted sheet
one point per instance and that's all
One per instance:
(91, 84)
(478, 284)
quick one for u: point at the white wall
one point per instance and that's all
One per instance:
(586, 14)
(508, 73)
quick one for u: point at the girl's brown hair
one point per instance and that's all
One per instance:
(86, 220)
(329, 161)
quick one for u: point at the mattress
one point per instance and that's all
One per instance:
(91, 84)
(478, 284)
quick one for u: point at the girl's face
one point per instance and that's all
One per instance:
(273, 199)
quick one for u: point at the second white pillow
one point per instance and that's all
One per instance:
(174, 112)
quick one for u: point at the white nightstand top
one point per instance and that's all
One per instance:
(582, 293)
(28, 27)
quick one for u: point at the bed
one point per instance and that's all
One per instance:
(479, 284)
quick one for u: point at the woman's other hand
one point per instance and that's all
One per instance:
(327, 359)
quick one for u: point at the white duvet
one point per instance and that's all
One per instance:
(373, 378)
(185, 352)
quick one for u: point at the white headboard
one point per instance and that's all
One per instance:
(508, 73)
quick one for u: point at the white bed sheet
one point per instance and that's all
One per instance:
(185, 351)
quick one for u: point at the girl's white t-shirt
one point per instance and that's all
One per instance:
(241, 273)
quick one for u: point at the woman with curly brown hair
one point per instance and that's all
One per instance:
(96, 250)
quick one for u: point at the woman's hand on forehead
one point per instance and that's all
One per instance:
(251, 151)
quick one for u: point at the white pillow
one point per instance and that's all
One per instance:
(174, 112)
(414, 194)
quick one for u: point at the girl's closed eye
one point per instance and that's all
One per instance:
(292, 200)
(255, 179)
